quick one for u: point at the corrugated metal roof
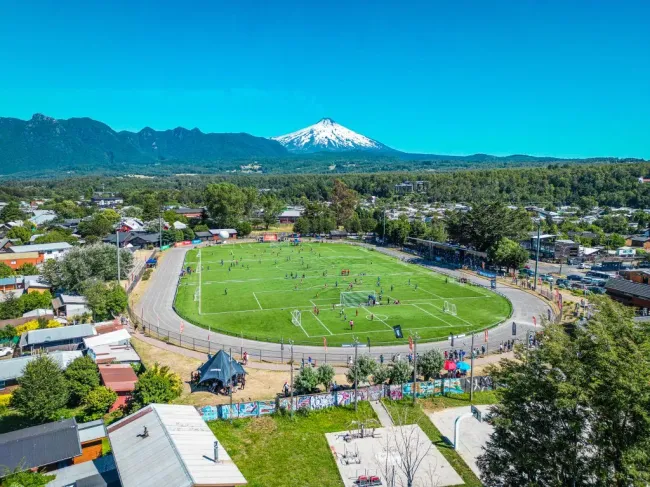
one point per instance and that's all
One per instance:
(119, 377)
(113, 353)
(70, 299)
(12, 369)
(23, 255)
(111, 338)
(91, 430)
(181, 437)
(46, 335)
(40, 445)
(101, 472)
(622, 286)
(49, 247)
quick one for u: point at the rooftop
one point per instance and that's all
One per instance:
(50, 247)
(36, 337)
(119, 377)
(177, 434)
(12, 368)
(629, 288)
(110, 338)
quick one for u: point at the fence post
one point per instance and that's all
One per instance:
(260, 354)
(168, 335)
(209, 345)
(193, 344)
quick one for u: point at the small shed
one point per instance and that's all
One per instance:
(120, 378)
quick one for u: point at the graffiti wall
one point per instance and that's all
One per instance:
(481, 383)
(266, 407)
(209, 413)
(303, 402)
(375, 393)
(453, 386)
(343, 398)
(323, 401)
(395, 392)
(285, 403)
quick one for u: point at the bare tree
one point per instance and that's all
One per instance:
(404, 451)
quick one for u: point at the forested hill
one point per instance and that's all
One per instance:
(45, 144)
(48, 147)
(611, 185)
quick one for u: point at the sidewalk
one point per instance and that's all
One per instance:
(382, 415)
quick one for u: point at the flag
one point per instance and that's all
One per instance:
(182, 327)
(486, 335)
(535, 320)
(411, 344)
(325, 343)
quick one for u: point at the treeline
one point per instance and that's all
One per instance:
(585, 186)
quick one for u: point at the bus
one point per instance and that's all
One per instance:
(599, 275)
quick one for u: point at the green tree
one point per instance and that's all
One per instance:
(188, 234)
(302, 226)
(82, 375)
(306, 381)
(243, 228)
(32, 301)
(368, 224)
(508, 253)
(272, 208)
(24, 478)
(55, 236)
(11, 213)
(437, 231)
(43, 390)
(430, 364)
(150, 209)
(362, 369)
(28, 269)
(5, 270)
(381, 375)
(105, 300)
(225, 203)
(97, 402)
(157, 385)
(400, 372)
(353, 224)
(10, 307)
(574, 411)
(20, 233)
(343, 200)
(325, 375)
(99, 225)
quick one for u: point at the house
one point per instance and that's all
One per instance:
(10, 284)
(203, 236)
(189, 212)
(50, 339)
(338, 234)
(192, 455)
(232, 233)
(641, 276)
(47, 251)
(117, 337)
(91, 435)
(639, 242)
(101, 472)
(629, 293)
(15, 260)
(5, 243)
(120, 378)
(42, 217)
(626, 252)
(290, 214)
(106, 201)
(131, 225)
(70, 306)
(113, 354)
(47, 446)
(403, 188)
(134, 240)
(12, 369)
(179, 226)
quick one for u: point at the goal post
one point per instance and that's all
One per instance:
(449, 308)
(356, 298)
(296, 317)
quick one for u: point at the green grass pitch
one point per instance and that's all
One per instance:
(255, 297)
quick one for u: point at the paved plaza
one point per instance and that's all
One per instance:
(389, 448)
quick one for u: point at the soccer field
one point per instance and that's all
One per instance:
(251, 290)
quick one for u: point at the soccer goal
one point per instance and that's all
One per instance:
(296, 317)
(449, 308)
(356, 298)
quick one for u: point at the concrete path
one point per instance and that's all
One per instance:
(473, 435)
(382, 415)
(156, 308)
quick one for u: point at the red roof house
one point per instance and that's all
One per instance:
(122, 379)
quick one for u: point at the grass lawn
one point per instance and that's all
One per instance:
(417, 414)
(248, 290)
(275, 451)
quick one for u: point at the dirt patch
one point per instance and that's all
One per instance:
(260, 384)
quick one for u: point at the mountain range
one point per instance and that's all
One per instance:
(47, 146)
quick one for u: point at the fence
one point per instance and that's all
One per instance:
(254, 409)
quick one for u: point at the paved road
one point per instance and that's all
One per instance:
(156, 307)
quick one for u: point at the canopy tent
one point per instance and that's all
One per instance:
(218, 367)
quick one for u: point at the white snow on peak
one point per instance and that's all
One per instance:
(327, 135)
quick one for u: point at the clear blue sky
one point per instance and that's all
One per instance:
(563, 78)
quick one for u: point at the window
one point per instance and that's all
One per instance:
(13, 262)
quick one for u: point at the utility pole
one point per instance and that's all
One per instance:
(160, 229)
(415, 363)
(384, 236)
(471, 372)
(539, 226)
(356, 370)
(291, 365)
(117, 240)
(230, 379)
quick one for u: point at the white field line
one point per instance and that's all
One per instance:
(323, 324)
(258, 301)
(376, 318)
(200, 277)
(455, 316)
(449, 325)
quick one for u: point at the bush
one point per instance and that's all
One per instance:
(306, 381)
(5, 399)
(156, 385)
(147, 274)
(35, 325)
(97, 403)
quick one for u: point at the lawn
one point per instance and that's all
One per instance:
(250, 290)
(279, 451)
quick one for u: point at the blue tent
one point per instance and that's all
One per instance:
(219, 367)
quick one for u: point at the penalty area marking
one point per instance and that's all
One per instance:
(323, 324)
(258, 301)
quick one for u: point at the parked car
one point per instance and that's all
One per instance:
(644, 264)
(584, 265)
(547, 277)
(597, 289)
(562, 282)
(6, 351)
(575, 277)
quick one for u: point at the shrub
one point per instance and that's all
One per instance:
(97, 403)
(5, 399)
(147, 274)
(83, 376)
(157, 385)
(43, 390)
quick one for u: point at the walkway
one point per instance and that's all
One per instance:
(156, 308)
(382, 415)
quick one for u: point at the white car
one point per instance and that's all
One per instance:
(584, 266)
(6, 351)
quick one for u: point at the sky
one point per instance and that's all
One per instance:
(559, 78)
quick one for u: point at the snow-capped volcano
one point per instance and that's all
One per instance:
(327, 135)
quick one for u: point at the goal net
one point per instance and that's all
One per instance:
(449, 308)
(296, 317)
(356, 298)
